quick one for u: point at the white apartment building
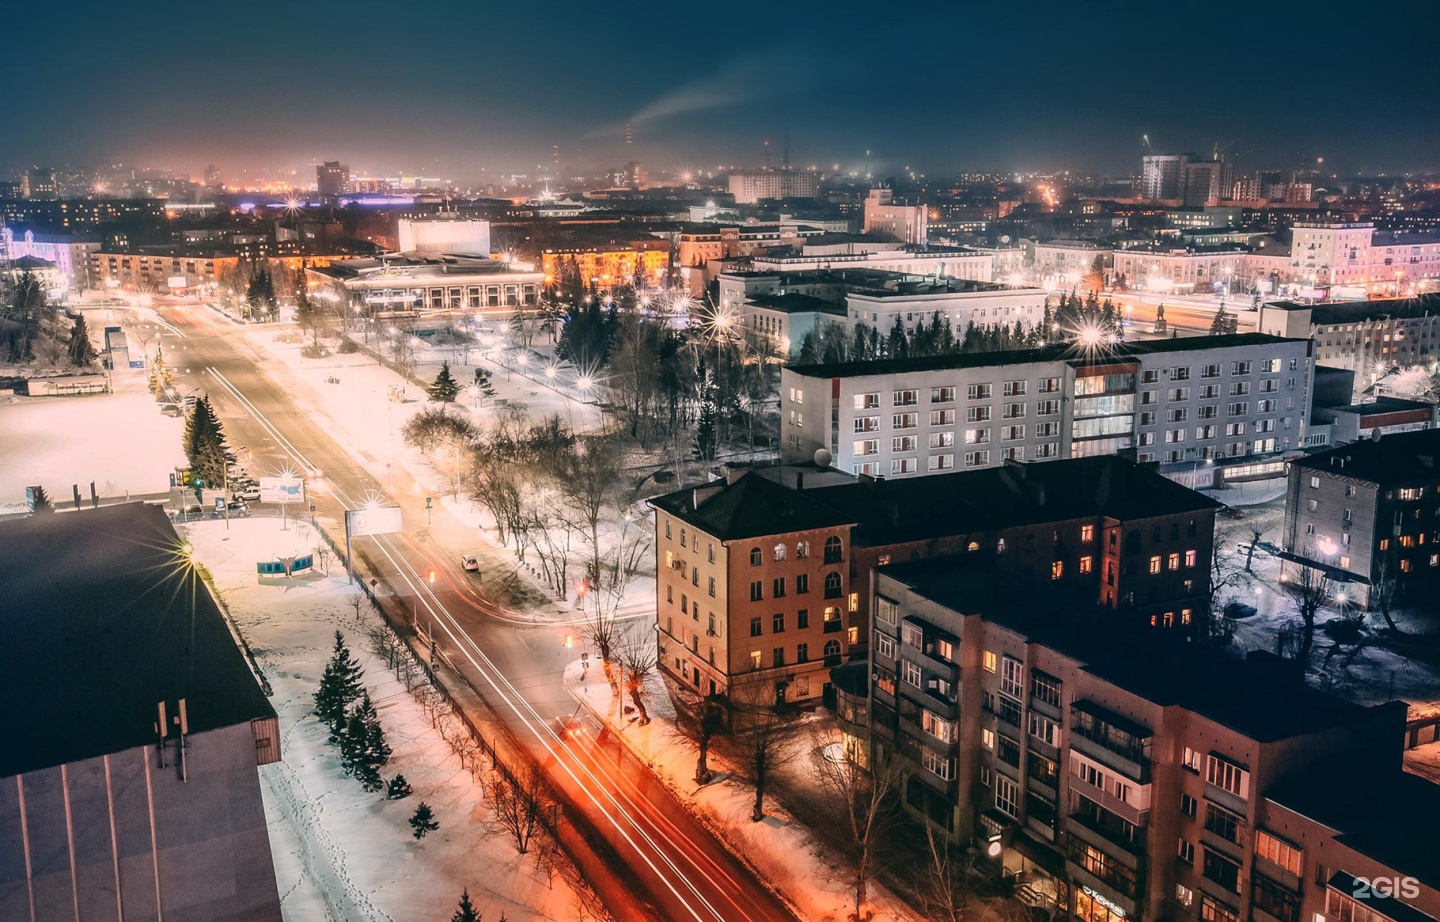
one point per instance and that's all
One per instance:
(1331, 253)
(1203, 408)
(1371, 338)
(910, 259)
(1183, 269)
(1063, 263)
(961, 301)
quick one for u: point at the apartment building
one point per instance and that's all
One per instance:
(1365, 514)
(910, 259)
(1349, 253)
(1203, 408)
(751, 581)
(961, 301)
(906, 223)
(1113, 776)
(1065, 263)
(1367, 337)
(1185, 269)
(750, 186)
(769, 571)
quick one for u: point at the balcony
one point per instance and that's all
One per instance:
(935, 665)
(1111, 739)
(1107, 834)
(1120, 808)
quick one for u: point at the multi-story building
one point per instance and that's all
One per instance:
(1364, 514)
(1369, 338)
(770, 569)
(77, 214)
(128, 780)
(1162, 176)
(71, 253)
(1204, 408)
(332, 180)
(162, 268)
(750, 186)
(610, 264)
(1184, 269)
(38, 183)
(910, 259)
(905, 223)
(783, 321)
(960, 301)
(1114, 776)
(1065, 263)
(1207, 181)
(1331, 253)
(405, 282)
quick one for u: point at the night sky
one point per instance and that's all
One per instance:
(467, 90)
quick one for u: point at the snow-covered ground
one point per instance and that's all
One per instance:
(782, 851)
(341, 853)
(119, 440)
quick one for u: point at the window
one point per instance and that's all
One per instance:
(833, 551)
(1012, 411)
(987, 739)
(977, 415)
(1042, 769)
(978, 392)
(942, 439)
(943, 462)
(831, 619)
(1007, 796)
(779, 587)
(1277, 851)
(867, 401)
(1012, 677)
(1172, 562)
(1276, 900)
(912, 636)
(833, 589)
(755, 659)
(1188, 805)
(777, 657)
(1221, 870)
(1087, 533)
(712, 587)
(977, 436)
(1045, 688)
(756, 557)
(802, 618)
(977, 458)
(1057, 569)
(867, 424)
(1190, 558)
(1155, 564)
(942, 417)
(1211, 911)
(1186, 851)
(777, 623)
(1087, 564)
(1223, 823)
(943, 730)
(904, 465)
(905, 420)
(802, 653)
(989, 661)
(1044, 729)
(1184, 895)
(1227, 776)
(756, 627)
(885, 645)
(907, 398)
(910, 673)
(942, 394)
(938, 765)
(1013, 389)
(1012, 433)
(886, 610)
(1008, 751)
(757, 591)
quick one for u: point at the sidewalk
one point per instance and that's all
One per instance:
(779, 850)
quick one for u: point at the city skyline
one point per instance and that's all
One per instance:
(1071, 90)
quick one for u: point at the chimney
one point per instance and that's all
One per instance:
(700, 494)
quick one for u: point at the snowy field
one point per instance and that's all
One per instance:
(340, 853)
(783, 851)
(121, 441)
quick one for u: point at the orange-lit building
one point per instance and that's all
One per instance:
(611, 264)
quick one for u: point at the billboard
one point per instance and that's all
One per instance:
(373, 520)
(282, 490)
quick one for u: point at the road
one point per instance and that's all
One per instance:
(1186, 314)
(643, 852)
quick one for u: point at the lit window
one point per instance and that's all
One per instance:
(990, 661)
(1155, 564)
(1057, 569)
(1087, 564)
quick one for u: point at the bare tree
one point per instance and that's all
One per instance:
(943, 886)
(860, 807)
(1384, 589)
(1213, 626)
(1308, 589)
(703, 723)
(761, 736)
(519, 801)
(637, 662)
(1255, 535)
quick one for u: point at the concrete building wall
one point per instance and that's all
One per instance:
(106, 837)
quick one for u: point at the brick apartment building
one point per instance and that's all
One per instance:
(1117, 774)
(770, 570)
(1366, 514)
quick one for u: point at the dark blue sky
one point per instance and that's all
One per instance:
(455, 88)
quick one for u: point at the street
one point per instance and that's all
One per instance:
(646, 856)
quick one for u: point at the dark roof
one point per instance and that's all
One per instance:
(1393, 822)
(1341, 312)
(1010, 496)
(750, 507)
(1258, 697)
(1059, 351)
(1394, 458)
(103, 619)
(1381, 405)
(793, 303)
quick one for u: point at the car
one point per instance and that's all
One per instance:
(248, 492)
(1239, 610)
(568, 726)
(239, 508)
(470, 563)
(1230, 512)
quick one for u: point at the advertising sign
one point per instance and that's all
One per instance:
(282, 490)
(373, 520)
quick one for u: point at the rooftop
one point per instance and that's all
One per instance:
(1058, 352)
(1393, 823)
(750, 507)
(1341, 312)
(1258, 697)
(1394, 458)
(418, 264)
(798, 304)
(913, 286)
(1381, 405)
(103, 619)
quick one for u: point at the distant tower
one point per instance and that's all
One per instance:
(629, 136)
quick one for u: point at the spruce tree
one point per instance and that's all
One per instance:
(43, 505)
(1224, 322)
(340, 686)
(706, 430)
(398, 788)
(466, 911)
(82, 353)
(422, 821)
(205, 444)
(445, 389)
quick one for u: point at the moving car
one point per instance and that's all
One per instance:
(470, 563)
(247, 492)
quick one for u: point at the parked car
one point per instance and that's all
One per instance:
(470, 563)
(1230, 512)
(1239, 610)
(248, 492)
(239, 508)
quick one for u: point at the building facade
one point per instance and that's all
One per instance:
(1364, 514)
(750, 186)
(1369, 338)
(417, 282)
(1201, 407)
(1110, 777)
(905, 223)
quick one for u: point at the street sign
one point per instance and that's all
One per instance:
(220, 504)
(172, 480)
(282, 489)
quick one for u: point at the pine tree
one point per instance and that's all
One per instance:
(423, 820)
(340, 686)
(205, 444)
(707, 429)
(466, 911)
(445, 389)
(82, 353)
(398, 788)
(43, 505)
(1224, 322)
(363, 750)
